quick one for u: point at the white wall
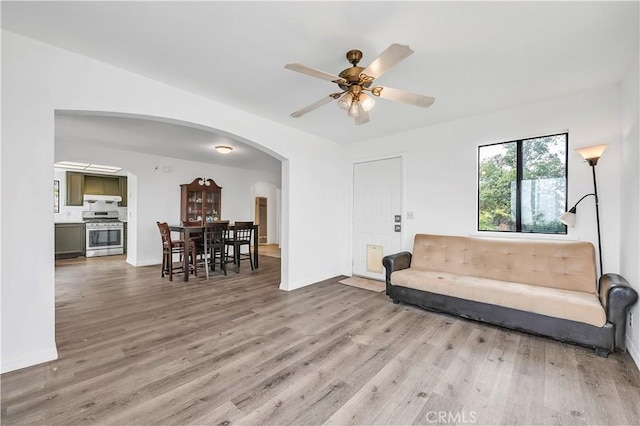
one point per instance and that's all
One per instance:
(441, 165)
(630, 198)
(38, 79)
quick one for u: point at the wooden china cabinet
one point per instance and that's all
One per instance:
(200, 201)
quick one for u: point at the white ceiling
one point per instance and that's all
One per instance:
(159, 138)
(473, 57)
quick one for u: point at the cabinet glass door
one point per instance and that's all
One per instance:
(194, 206)
(211, 207)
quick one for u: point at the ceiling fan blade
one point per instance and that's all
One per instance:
(363, 116)
(313, 72)
(398, 95)
(315, 105)
(387, 59)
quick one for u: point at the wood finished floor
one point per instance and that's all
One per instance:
(271, 250)
(136, 349)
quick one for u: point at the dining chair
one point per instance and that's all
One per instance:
(239, 237)
(215, 235)
(198, 240)
(170, 247)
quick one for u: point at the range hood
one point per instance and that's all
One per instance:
(90, 198)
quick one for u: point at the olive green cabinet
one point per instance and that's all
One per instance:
(75, 188)
(122, 188)
(70, 240)
(101, 185)
(79, 184)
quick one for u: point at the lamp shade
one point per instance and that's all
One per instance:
(569, 219)
(345, 101)
(592, 153)
(353, 110)
(367, 102)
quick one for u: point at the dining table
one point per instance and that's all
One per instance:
(189, 230)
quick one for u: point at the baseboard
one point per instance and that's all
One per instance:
(633, 351)
(146, 262)
(303, 283)
(32, 359)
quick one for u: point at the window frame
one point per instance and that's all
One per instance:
(519, 175)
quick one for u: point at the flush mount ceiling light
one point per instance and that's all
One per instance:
(224, 149)
(86, 167)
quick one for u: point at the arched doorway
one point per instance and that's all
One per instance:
(162, 154)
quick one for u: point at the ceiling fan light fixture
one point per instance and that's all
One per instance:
(356, 79)
(367, 102)
(345, 101)
(224, 149)
(353, 110)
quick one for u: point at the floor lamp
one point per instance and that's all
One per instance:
(591, 154)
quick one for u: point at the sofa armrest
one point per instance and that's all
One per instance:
(616, 297)
(395, 262)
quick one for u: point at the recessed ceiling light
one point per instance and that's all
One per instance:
(71, 164)
(97, 168)
(224, 149)
(87, 167)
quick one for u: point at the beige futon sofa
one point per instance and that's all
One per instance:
(542, 287)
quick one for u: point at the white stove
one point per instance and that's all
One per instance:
(105, 233)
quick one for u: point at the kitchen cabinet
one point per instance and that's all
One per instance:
(200, 200)
(75, 189)
(101, 185)
(79, 184)
(122, 190)
(70, 240)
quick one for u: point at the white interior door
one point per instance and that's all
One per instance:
(377, 214)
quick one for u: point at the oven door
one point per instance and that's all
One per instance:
(104, 241)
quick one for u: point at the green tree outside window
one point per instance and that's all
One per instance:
(522, 185)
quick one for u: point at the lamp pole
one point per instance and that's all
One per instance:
(595, 192)
(592, 154)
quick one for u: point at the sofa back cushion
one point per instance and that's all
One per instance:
(568, 265)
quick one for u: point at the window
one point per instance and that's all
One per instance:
(522, 185)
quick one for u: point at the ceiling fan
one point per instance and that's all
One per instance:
(356, 81)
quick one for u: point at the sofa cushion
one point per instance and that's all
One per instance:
(558, 303)
(568, 265)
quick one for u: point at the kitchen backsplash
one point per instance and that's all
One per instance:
(74, 213)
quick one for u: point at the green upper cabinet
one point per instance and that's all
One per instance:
(122, 181)
(75, 188)
(101, 185)
(79, 184)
